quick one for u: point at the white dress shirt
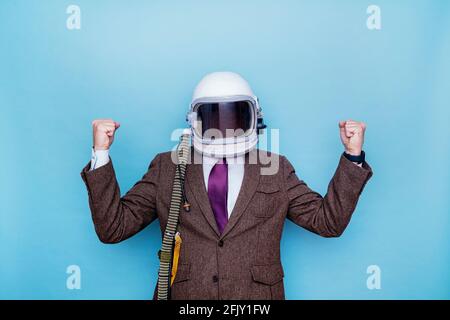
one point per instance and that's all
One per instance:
(235, 173)
(235, 177)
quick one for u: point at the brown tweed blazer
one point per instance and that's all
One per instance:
(244, 261)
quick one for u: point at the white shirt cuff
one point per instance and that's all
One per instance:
(99, 158)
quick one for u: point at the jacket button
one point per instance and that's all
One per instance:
(215, 278)
(220, 243)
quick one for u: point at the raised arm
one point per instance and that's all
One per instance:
(327, 216)
(117, 218)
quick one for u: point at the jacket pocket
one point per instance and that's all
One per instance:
(268, 273)
(268, 188)
(183, 272)
(180, 289)
(270, 281)
(265, 200)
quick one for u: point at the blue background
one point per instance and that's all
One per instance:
(311, 63)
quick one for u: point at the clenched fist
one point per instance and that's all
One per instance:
(103, 133)
(352, 136)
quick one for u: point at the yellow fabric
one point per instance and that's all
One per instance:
(176, 254)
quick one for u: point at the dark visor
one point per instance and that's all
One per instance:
(230, 118)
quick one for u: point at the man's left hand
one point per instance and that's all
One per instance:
(352, 136)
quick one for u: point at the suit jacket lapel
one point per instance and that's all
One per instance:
(248, 188)
(195, 180)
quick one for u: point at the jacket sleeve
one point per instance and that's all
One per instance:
(327, 216)
(117, 218)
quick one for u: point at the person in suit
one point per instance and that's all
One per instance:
(231, 234)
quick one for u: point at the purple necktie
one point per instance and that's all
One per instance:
(218, 192)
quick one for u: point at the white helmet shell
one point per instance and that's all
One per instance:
(221, 84)
(223, 87)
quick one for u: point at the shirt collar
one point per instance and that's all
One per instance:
(230, 160)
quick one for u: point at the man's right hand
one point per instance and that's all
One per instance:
(103, 133)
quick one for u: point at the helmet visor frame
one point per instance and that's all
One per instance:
(224, 119)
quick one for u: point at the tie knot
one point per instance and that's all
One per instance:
(222, 161)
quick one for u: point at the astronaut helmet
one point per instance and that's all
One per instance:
(224, 116)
